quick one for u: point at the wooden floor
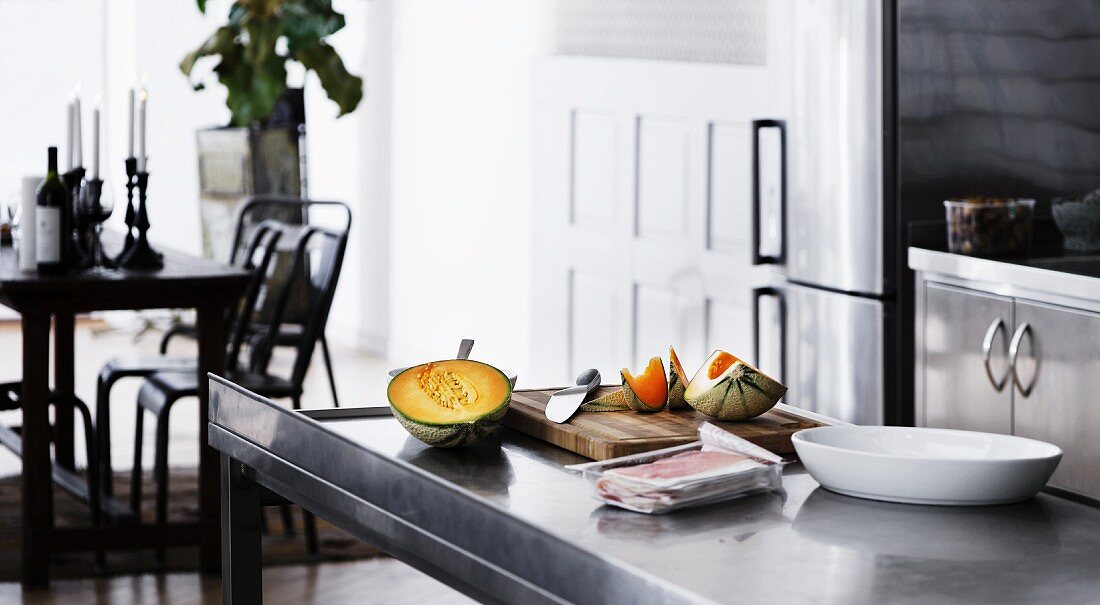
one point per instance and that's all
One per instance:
(361, 381)
(375, 581)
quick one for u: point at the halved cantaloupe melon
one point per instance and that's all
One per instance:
(450, 403)
(646, 392)
(728, 388)
(677, 382)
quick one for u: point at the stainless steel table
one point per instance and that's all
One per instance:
(504, 523)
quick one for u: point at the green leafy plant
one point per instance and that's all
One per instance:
(253, 66)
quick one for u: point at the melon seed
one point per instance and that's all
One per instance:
(447, 389)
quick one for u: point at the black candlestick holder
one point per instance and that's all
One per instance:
(73, 180)
(131, 213)
(140, 256)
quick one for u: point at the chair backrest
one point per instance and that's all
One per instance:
(318, 259)
(287, 210)
(256, 259)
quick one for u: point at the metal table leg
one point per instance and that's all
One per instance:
(242, 582)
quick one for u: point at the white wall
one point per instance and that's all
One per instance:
(461, 210)
(435, 162)
(349, 161)
(37, 77)
(36, 82)
(166, 30)
(106, 46)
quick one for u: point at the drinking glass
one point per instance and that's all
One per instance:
(96, 207)
(12, 213)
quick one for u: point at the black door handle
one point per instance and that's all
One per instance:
(757, 258)
(757, 294)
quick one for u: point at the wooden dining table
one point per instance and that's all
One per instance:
(185, 282)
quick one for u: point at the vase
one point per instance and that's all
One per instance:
(238, 162)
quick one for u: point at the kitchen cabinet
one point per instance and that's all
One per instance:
(966, 371)
(1057, 385)
(1013, 365)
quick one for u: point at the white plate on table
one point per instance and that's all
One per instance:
(926, 466)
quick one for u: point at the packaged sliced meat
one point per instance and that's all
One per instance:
(721, 466)
(685, 467)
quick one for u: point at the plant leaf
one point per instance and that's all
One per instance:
(220, 42)
(253, 88)
(237, 13)
(262, 9)
(262, 37)
(308, 22)
(340, 86)
(251, 68)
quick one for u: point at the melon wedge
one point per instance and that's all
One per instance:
(647, 392)
(728, 388)
(611, 402)
(677, 382)
(449, 403)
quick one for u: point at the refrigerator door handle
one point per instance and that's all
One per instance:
(757, 258)
(757, 294)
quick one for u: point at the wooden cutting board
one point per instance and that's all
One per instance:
(603, 435)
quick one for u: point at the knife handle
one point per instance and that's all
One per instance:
(590, 379)
(464, 348)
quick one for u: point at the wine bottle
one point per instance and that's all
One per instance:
(51, 220)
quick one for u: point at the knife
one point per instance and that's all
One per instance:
(464, 348)
(564, 403)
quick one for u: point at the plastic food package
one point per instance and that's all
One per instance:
(983, 226)
(720, 466)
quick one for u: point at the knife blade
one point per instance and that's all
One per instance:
(564, 403)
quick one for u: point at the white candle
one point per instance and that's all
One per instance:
(141, 158)
(69, 137)
(78, 143)
(95, 142)
(130, 127)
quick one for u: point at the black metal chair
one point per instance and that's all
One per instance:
(256, 259)
(288, 210)
(318, 257)
(11, 398)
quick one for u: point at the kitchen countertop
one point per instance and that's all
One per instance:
(504, 517)
(1045, 273)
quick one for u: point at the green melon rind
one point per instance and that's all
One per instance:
(453, 434)
(634, 402)
(614, 401)
(676, 389)
(744, 393)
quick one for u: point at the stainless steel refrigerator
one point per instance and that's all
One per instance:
(823, 216)
(895, 105)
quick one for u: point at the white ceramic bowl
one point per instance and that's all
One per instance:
(926, 466)
(512, 377)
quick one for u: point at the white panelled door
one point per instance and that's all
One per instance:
(643, 192)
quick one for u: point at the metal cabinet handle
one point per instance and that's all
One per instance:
(757, 258)
(757, 293)
(987, 348)
(1013, 353)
